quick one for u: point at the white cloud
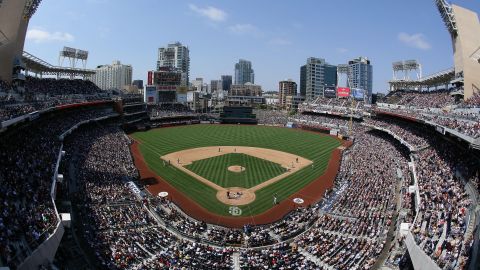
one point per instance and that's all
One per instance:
(40, 36)
(415, 40)
(244, 29)
(212, 13)
(280, 42)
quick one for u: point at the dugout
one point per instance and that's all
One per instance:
(238, 115)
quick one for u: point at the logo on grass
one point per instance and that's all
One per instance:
(235, 211)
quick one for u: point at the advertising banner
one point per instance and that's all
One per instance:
(358, 94)
(343, 92)
(330, 92)
(181, 98)
(150, 78)
(150, 94)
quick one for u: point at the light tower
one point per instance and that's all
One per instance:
(73, 55)
(405, 68)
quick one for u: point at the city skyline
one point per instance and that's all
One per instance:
(218, 34)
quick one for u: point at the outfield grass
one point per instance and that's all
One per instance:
(215, 169)
(158, 142)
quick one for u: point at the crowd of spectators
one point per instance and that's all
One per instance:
(280, 256)
(444, 204)
(118, 225)
(473, 101)
(28, 156)
(463, 121)
(406, 131)
(60, 87)
(347, 230)
(426, 99)
(271, 117)
(319, 121)
(468, 127)
(4, 86)
(169, 110)
(48, 92)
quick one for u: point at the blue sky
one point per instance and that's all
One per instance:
(277, 36)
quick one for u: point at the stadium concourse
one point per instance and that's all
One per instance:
(405, 189)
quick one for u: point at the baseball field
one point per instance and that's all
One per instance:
(245, 167)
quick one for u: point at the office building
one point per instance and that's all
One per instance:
(360, 73)
(226, 82)
(315, 76)
(215, 86)
(303, 80)
(198, 85)
(138, 83)
(244, 72)
(247, 89)
(176, 56)
(286, 88)
(114, 76)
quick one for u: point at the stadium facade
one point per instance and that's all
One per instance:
(14, 19)
(466, 41)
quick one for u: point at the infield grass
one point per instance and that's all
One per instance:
(215, 169)
(158, 142)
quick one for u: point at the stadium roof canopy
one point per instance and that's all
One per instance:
(443, 77)
(38, 66)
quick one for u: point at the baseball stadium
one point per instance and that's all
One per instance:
(175, 177)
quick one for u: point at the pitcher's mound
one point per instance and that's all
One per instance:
(236, 168)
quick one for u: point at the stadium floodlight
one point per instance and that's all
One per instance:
(397, 66)
(406, 67)
(447, 15)
(73, 55)
(81, 54)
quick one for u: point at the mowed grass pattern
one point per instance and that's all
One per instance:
(158, 142)
(257, 170)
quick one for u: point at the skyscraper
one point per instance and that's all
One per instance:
(244, 72)
(286, 88)
(360, 75)
(176, 56)
(316, 74)
(303, 80)
(226, 82)
(114, 76)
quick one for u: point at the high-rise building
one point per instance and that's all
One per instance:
(303, 80)
(198, 85)
(360, 73)
(215, 85)
(177, 56)
(317, 75)
(114, 76)
(244, 72)
(138, 83)
(286, 88)
(226, 82)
